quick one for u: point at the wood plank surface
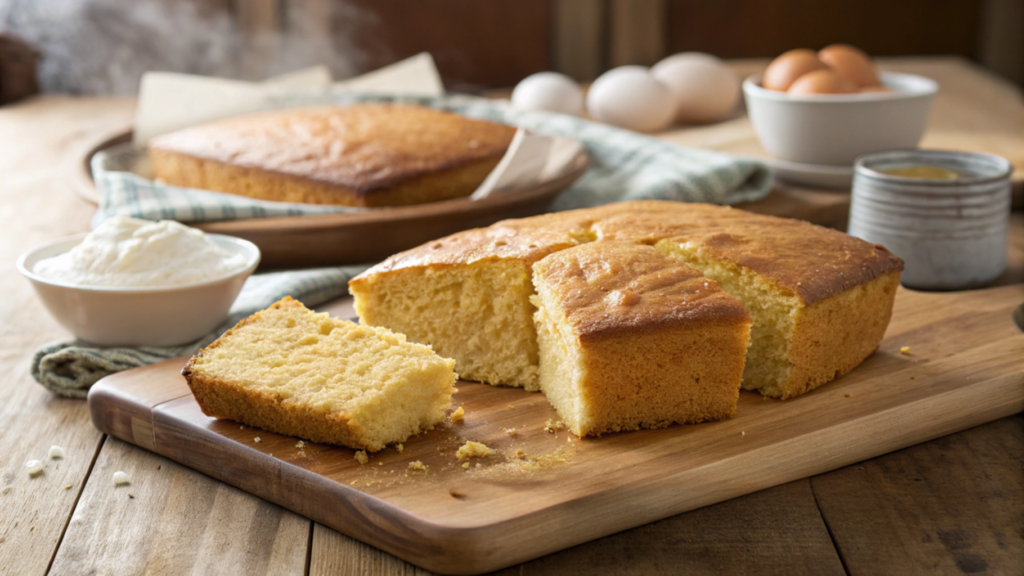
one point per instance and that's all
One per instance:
(38, 136)
(963, 369)
(951, 506)
(34, 208)
(192, 523)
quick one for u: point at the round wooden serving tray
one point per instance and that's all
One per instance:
(335, 239)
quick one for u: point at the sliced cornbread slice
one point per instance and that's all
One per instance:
(820, 299)
(291, 371)
(468, 296)
(630, 338)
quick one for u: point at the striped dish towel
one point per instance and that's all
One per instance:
(71, 368)
(624, 166)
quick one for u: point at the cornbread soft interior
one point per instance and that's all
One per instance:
(480, 315)
(291, 371)
(359, 155)
(772, 309)
(629, 338)
(820, 300)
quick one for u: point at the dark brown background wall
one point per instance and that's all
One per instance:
(482, 44)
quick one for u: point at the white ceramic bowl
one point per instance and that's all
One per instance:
(835, 129)
(115, 316)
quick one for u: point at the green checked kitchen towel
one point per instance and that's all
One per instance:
(71, 368)
(624, 166)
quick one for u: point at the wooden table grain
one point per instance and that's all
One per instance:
(952, 505)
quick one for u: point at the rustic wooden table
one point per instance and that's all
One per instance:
(955, 504)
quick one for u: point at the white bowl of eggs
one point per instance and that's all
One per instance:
(830, 107)
(687, 88)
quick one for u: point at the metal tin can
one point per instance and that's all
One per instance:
(952, 234)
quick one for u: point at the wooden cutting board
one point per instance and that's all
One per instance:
(965, 366)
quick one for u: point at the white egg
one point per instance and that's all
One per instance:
(549, 91)
(703, 87)
(629, 97)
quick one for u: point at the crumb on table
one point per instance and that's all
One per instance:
(418, 466)
(552, 426)
(361, 457)
(905, 350)
(473, 450)
(458, 416)
(399, 447)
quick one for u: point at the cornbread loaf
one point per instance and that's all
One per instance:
(359, 155)
(630, 338)
(820, 300)
(290, 371)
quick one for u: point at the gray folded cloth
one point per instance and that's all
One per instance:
(71, 368)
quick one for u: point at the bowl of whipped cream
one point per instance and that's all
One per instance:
(134, 282)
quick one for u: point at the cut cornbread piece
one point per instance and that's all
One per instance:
(820, 299)
(468, 296)
(630, 339)
(358, 155)
(291, 371)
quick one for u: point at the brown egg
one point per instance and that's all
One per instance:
(850, 62)
(822, 82)
(789, 66)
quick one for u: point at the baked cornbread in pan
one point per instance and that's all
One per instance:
(820, 300)
(291, 371)
(631, 338)
(360, 155)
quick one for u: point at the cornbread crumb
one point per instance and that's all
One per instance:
(511, 407)
(473, 450)
(361, 457)
(68, 487)
(399, 447)
(300, 444)
(257, 440)
(34, 467)
(458, 416)
(380, 463)
(905, 350)
(520, 454)
(552, 426)
(417, 466)
(465, 465)
(511, 431)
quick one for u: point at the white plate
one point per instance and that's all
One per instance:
(814, 175)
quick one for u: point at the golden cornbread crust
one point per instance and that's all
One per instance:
(359, 155)
(630, 338)
(820, 299)
(263, 408)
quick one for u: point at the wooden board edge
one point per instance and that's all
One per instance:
(478, 549)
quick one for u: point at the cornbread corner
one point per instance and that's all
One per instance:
(630, 338)
(291, 371)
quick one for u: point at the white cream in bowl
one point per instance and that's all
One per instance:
(140, 283)
(129, 252)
